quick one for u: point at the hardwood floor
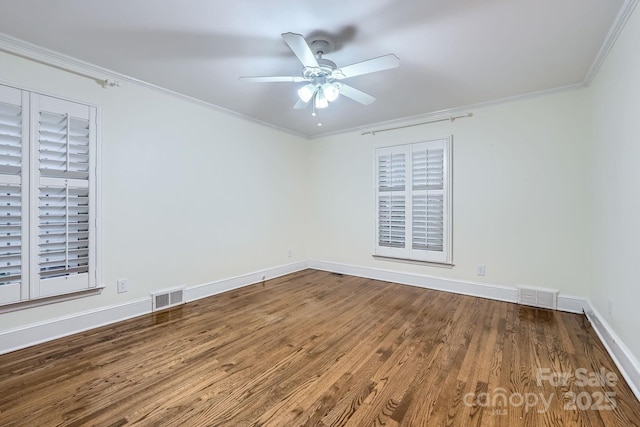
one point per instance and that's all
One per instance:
(316, 348)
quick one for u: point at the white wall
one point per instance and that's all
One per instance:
(615, 182)
(519, 199)
(190, 195)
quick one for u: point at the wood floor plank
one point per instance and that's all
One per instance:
(321, 349)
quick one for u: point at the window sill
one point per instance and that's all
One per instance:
(22, 305)
(414, 261)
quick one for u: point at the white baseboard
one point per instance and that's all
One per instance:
(37, 333)
(207, 289)
(40, 332)
(572, 304)
(619, 352)
(500, 293)
(496, 292)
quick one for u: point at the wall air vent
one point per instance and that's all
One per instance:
(538, 297)
(166, 298)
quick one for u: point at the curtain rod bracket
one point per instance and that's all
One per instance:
(108, 83)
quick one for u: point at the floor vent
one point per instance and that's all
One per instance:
(167, 298)
(538, 297)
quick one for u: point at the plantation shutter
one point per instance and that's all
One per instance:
(392, 200)
(392, 182)
(429, 226)
(65, 215)
(14, 131)
(412, 201)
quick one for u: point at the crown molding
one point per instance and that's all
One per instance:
(60, 61)
(108, 78)
(610, 40)
(415, 120)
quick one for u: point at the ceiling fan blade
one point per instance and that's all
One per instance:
(269, 79)
(356, 94)
(300, 105)
(380, 63)
(299, 46)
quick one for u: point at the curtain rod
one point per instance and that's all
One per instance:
(105, 83)
(444, 119)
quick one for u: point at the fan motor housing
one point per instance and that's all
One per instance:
(321, 44)
(325, 69)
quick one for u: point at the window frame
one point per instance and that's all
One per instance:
(32, 293)
(407, 251)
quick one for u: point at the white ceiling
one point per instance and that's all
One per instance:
(452, 53)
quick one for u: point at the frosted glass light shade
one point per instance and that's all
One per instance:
(331, 91)
(305, 93)
(321, 100)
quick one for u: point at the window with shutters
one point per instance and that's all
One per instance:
(413, 201)
(47, 196)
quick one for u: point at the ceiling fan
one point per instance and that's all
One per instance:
(323, 77)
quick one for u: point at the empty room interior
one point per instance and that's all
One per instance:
(284, 213)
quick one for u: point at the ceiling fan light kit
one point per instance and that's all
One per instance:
(323, 76)
(321, 93)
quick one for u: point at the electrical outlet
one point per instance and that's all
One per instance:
(480, 270)
(123, 286)
(610, 307)
(289, 253)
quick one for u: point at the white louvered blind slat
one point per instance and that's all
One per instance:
(392, 172)
(11, 143)
(428, 169)
(428, 222)
(64, 146)
(10, 139)
(391, 221)
(64, 231)
(10, 234)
